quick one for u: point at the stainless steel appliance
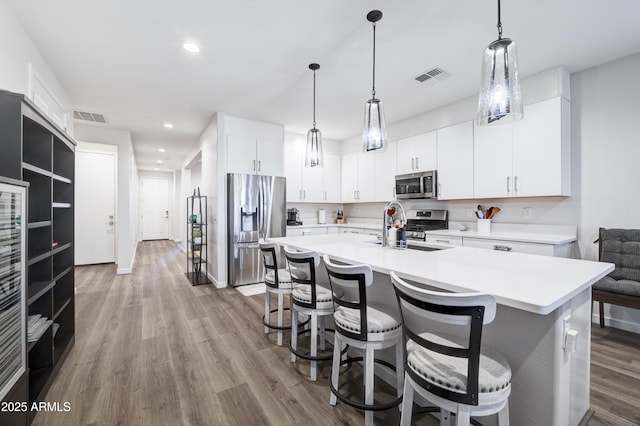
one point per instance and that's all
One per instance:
(292, 217)
(256, 208)
(419, 221)
(416, 185)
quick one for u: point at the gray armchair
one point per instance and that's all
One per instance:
(622, 286)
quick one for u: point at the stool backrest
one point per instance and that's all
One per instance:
(302, 268)
(269, 256)
(622, 248)
(466, 312)
(349, 287)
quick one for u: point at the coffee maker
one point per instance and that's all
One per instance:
(292, 217)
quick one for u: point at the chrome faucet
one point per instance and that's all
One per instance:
(385, 218)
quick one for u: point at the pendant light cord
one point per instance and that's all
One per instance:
(499, 23)
(314, 99)
(374, 60)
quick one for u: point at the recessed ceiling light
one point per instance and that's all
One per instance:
(168, 125)
(159, 162)
(191, 47)
(162, 150)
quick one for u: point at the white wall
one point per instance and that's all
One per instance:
(17, 51)
(127, 210)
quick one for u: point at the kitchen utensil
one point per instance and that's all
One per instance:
(494, 212)
(488, 214)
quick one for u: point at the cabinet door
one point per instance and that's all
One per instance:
(366, 176)
(293, 164)
(455, 161)
(405, 149)
(241, 154)
(426, 151)
(541, 150)
(332, 178)
(492, 161)
(312, 184)
(270, 157)
(349, 177)
(294, 232)
(385, 174)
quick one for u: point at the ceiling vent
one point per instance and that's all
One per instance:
(433, 75)
(90, 116)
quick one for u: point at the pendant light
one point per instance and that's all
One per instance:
(500, 96)
(374, 134)
(314, 156)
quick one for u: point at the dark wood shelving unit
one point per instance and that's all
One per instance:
(37, 151)
(197, 237)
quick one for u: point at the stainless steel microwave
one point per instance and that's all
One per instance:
(416, 185)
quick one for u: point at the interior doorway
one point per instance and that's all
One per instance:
(95, 203)
(155, 208)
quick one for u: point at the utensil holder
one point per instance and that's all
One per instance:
(484, 226)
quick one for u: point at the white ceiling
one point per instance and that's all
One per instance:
(123, 58)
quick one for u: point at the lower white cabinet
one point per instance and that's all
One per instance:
(445, 240)
(511, 246)
(303, 232)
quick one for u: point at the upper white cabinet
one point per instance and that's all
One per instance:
(527, 159)
(358, 177)
(253, 147)
(542, 150)
(417, 153)
(455, 161)
(385, 174)
(310, 184)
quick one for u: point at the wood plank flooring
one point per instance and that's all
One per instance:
(153, 350)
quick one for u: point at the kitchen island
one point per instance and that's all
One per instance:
(539, 299)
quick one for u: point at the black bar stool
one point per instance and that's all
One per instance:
(277, 282)
(453, 371)
(362, 325)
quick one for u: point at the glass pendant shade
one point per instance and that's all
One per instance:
(374, 133)
(500, 97)
(314, 156)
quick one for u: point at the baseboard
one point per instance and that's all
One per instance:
(615, 323)
(218, 284)
(122, 271)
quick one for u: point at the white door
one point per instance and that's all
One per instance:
(155, 208)
(241, 154)
(269, 157)
(406, 158)
(455, 161)
(492, 161)
(366, 176)
(426, 151)
(95, 186)
(349, 177)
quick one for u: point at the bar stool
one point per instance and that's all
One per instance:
(365, 326)
(310, 299)
(277, 282)
(455, 372)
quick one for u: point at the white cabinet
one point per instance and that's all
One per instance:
(252, 155)
(385, 174)
(417, 153)
(444, 240)
(542, 150)
(358, 177)
(298, 232)
(511, 246)
(526, 159)
(455, 161)
(310, 184)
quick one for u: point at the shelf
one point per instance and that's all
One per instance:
(36, 169)
(60, 272)
(197, 279)
(62, 308)
(61, 247)
(38, 256)
(37, 289)
(61, 205)
(61, 178)
(42, 224)
(31, 345)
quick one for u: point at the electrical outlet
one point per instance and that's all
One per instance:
(527, 212)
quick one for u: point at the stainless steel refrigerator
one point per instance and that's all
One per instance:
(256, 208)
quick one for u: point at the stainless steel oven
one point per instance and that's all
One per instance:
(416, 185)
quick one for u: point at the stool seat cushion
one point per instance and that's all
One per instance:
(284, 278)
(302, 293)
(378, 319)
(451, 372)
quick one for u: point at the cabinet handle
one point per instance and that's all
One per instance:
(439, 190)
(394, 192)
(515, 184)
(417, 159)
(259, 165)
(300, 194)
(442, 241)
(304, 194)
(508, 187)
(254, 165)
(501, 248)
(413, 163)
(325, 195)
(355, 197)
(358, 194)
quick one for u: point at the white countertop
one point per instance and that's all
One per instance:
(527, 237)
(340, 225)
(533, 283)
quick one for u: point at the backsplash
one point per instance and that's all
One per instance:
(309, 212)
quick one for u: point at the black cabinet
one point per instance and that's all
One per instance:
(35, 150)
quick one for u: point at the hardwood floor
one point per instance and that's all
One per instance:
(153, 350)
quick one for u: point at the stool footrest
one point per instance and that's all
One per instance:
(276, 327)
(360, 405)
(307, 356)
